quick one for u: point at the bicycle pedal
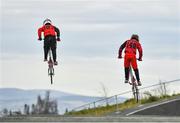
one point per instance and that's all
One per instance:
(130, 83)
(126, 81)
(139, 84)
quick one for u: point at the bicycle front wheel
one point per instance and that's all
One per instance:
(51, 73)
(137, 94)
(51, 79)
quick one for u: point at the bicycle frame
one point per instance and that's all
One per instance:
(133, 82)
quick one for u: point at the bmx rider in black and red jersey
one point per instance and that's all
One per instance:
(130, 47)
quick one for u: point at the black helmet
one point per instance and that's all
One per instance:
(135, 36)
(47, 21)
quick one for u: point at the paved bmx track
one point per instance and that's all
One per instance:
(93, 119)
(166, 107)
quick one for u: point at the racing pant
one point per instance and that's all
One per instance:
(50, 42)
(130, 59)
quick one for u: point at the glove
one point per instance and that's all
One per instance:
(58, 39)
(120, 57)
(139, 59)
(39, 38)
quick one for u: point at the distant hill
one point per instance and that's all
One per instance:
(13, 98)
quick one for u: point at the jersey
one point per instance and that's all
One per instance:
(130, 52)
(130, 47)
(48, 30)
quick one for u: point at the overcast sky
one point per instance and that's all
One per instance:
(91, 33)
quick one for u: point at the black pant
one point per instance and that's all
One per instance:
(50, 42)
(136, 71)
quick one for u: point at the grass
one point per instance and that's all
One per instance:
(130, 103)
(103, 110)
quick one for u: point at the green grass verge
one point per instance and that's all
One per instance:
(99, 111)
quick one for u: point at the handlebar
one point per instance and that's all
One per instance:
(57, 39)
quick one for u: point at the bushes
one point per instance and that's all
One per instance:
(129, 100)
(150, 99)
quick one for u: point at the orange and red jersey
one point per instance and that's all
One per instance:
(48, 30)
(130, 48)
(130, 52)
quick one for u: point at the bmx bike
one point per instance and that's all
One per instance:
(50, 66)
(134, 84)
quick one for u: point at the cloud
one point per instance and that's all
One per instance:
(94, 11)
(91, 33)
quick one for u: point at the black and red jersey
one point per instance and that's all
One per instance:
(130, 47)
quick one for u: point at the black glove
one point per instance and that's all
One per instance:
(139, 59)
(120, 57)
(58, 39)
(39, 38)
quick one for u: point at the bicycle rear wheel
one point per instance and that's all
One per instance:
(135, 92)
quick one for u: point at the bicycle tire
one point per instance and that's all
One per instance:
(137, 93)
(51, 79)
(137, 96)
(133, 91)
(51, 73)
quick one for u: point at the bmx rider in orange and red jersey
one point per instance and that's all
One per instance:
(51, 35)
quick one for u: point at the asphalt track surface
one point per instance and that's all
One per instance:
(166, 107)
(93, 119)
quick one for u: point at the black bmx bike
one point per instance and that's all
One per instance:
(134, 84)
(50, 66)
